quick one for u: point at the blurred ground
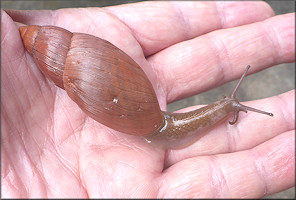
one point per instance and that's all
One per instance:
(269, 82)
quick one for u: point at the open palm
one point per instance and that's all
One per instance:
(50, 148)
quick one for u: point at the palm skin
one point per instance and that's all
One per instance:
(50, 148)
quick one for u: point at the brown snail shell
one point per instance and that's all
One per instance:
(103, 80)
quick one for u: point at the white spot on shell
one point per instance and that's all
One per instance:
(107, 108)
(121, 116)
(148, 141)
(140, 108)
(115, 100)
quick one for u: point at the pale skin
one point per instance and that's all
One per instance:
(50, 148)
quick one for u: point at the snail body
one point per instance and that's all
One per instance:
(111, 88)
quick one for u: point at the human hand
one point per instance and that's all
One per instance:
(50, 148)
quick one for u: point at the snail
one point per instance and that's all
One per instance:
(111, 88)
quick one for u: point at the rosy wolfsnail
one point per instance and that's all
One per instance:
(111, 88)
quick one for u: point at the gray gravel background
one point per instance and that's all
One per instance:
(269, 82)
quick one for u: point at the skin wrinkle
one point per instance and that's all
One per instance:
(38, 147)
(219, 7)
(165, 159)
(135, 33)
(184, 21)
(273, 37)
(231, 132)
(273, 155)
(9, 184)
(19, 180)
(17, 105)
(137, 148)
(164, 188)
(70, 126)
(89, 21)
(37, 122)
(284, 114)
(128, 165)
(40, 174)
(81, 178)
(143, 37)
(101, 158)
(78, 131)
(12, 133)
(75, 131)
(130, 145)
(61, 142)
(9, 119)
(21, 138)
(159, 179)
(27, 158)
(66, 166)
(163, 87)
(48, 117)
(188, 193)
(220, 180)
(260, 169)
(31, 179)
(9, 74)
(62, 158)
(80, 171)
(233, 135)
(57, 15)
(180, 81)
(263, 33)
(29, 107)
(15, 60)
(5, 36)
(39, 84)
(216, 47)
(54, 15)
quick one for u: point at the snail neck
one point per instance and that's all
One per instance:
(182, 129)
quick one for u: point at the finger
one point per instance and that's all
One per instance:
(162, 24)
(202, 63)
(32, 17)
(251, 129)
(157, 25)
(261, 171)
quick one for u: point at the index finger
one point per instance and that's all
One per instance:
(155, 25)
(158, 25)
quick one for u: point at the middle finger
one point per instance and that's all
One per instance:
(210, 60)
